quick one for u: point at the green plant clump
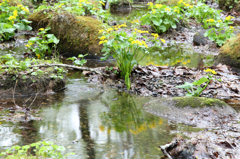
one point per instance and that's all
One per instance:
(42, 149)
(126, 49)
(12, 19)
(195, 92)
(43, 41)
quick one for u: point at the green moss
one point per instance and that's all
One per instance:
(230, 53)
(41, 18)
(195, 102)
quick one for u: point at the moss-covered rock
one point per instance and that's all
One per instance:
(77, 34)
(230, 53)
(120, 7)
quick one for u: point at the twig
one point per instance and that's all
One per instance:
(33, 100)
(165, 147)
(60, 65)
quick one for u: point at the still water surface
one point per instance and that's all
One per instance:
(93, 124)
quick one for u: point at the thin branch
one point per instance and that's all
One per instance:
(165, 147)
(60, 65)
(14, 93)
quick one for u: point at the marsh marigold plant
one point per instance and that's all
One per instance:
(126, 49)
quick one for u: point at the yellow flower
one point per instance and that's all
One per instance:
(0, 4)
(60, 5)
(180, 1)
(158, 5)
(186, 4)
(163, 40)
(130, 39)
(30, 43)
(167, 9)
(176, 11)
(153, 11)
(80, 4)
(144, 43)
(210, 70)
(27, 45)
(102, 128)
(210, 20)
(110, 29)
(100, 31)
(135, 21)
(102, 3)
(150, 3)
(219, 21)
(191, 7)
(188, 60)
(229, 18)
(231, 27)
(11, 17)
(155, 35)
(19, 6)
(38, 56)
(101, 42)
(184, 63)
(103, 37)
(26, 10)
(41, 29)
(15, 13)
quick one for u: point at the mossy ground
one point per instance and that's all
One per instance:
(195, 102)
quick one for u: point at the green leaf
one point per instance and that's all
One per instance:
(200, 81)
(186, 85)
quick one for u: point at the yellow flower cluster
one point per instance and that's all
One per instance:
(176, 10)
(185, 4)
(25, 9)
(150, 4)
(15, 13)
(102, 3)
(100, 31)
(109, 30)
(152, 63)
(135, 21)
(119, 26)
(103, 40)
(229, 18)
(141, 43)
(210, 20)
(210, 70)
(155, 35)
(140, 31)
(60, 5)
(29, 44)
(167, 9)
(158, 5)
(231, 27)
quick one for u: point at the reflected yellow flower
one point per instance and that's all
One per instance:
(102, 128)
(38, 56)
(160, 122)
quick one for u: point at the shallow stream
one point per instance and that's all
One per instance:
(93, 124)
